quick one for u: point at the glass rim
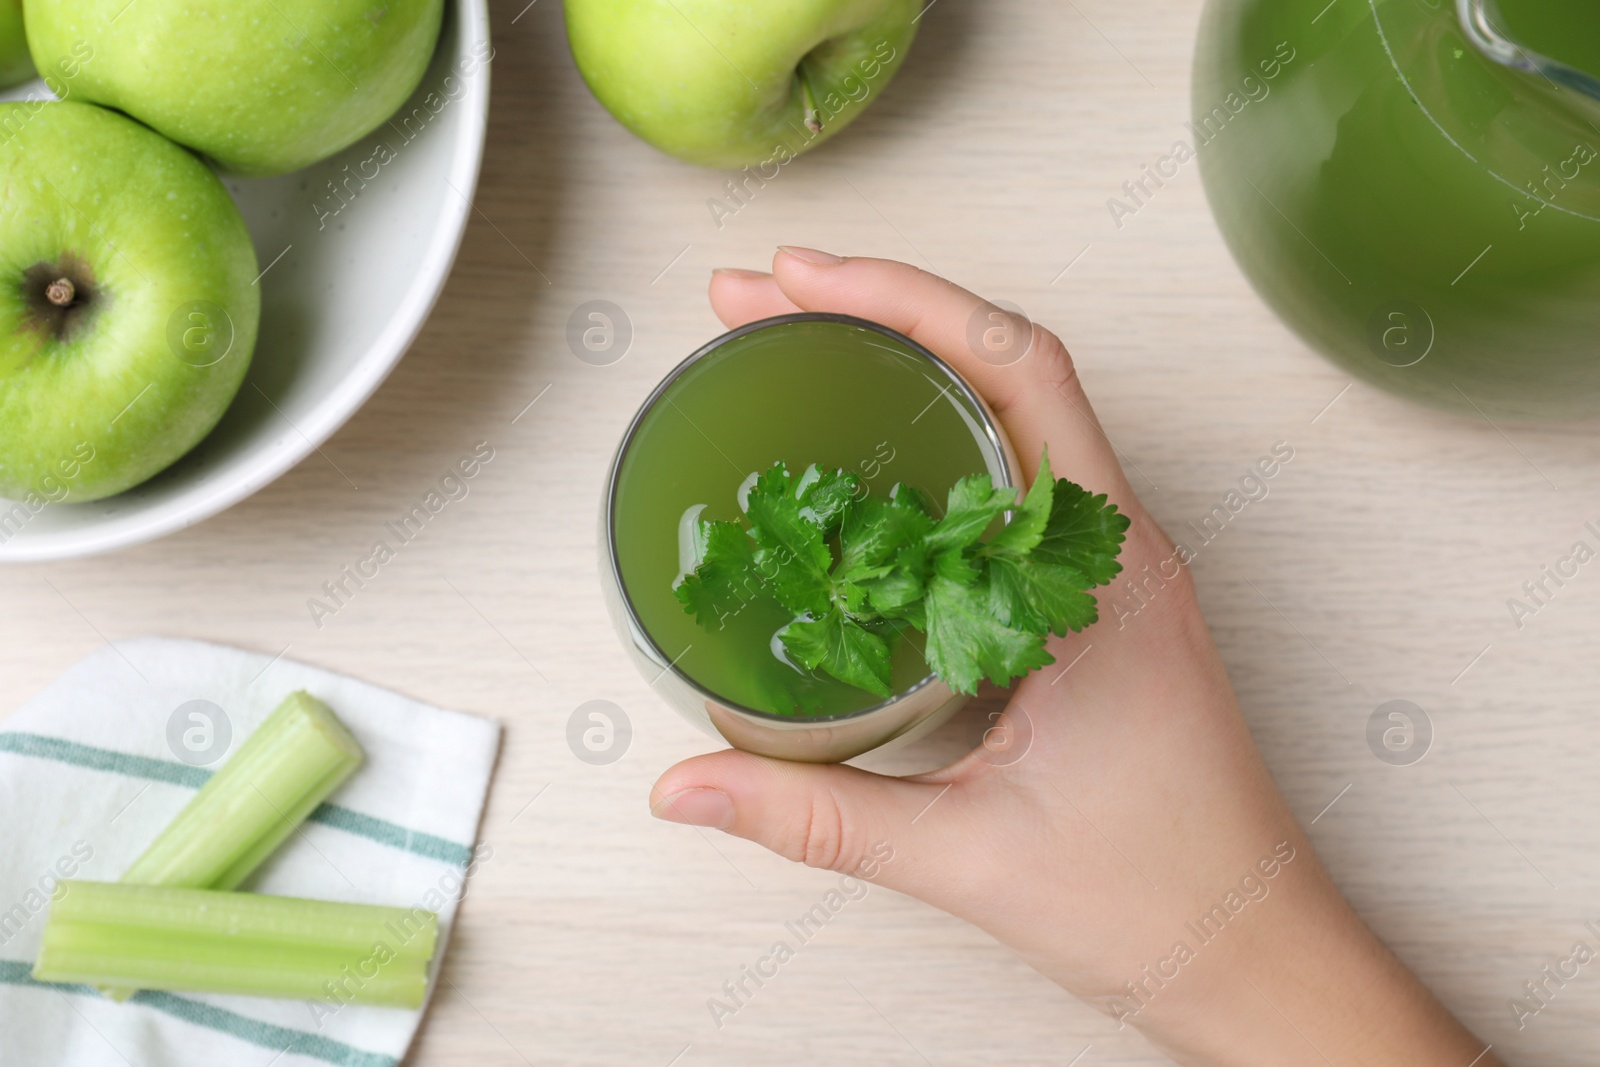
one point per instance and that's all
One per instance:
(1484, 25)
(991, 433)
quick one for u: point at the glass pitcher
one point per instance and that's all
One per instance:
(1414, 186)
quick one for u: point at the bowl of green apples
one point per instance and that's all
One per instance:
(224, 225)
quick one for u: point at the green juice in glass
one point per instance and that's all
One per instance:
(820, 391)
(1425, 215)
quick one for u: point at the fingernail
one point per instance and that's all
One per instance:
(811, 255)
(697, 807)
(740, 273)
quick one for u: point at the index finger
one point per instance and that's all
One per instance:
(1032, 387)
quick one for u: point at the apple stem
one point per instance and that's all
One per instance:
(61, 292)
(813, 119)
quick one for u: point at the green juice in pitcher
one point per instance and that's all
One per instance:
(1414, 186)
(812, 390)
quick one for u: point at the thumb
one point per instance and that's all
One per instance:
(823, 815)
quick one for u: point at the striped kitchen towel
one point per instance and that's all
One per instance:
(95, 766)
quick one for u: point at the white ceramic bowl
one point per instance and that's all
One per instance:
(338, 310)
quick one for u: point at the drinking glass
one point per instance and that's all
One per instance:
(801, 388)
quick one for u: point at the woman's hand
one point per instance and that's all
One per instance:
(1125, 838)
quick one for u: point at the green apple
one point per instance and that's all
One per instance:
(724, 83)
(260, 86)
(15, 66)
(128, 304)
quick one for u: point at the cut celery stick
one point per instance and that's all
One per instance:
(195, 940)
(320, 924)
(113, 955)
(289, 765)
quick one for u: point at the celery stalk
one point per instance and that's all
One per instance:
(283, 920)
(297, 756)
(151, 937)
(289, 765)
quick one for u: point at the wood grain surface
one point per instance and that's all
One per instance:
(1378, 568)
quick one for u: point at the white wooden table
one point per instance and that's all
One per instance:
(1381, 563)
